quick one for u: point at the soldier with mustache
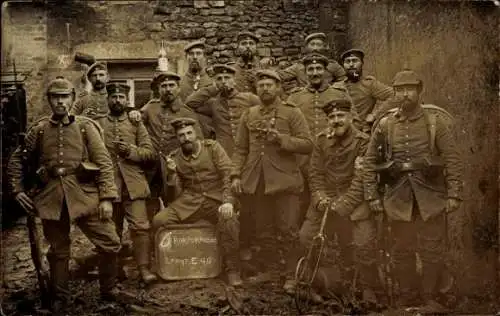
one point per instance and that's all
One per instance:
(195, 78)
(413, 157)
(157, 115)
(247, 63)
(314, 43)
(198, 174)
(364, 90)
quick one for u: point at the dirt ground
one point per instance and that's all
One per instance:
(259, 296)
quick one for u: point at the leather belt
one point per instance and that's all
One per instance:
(61, 171)
(409, 166)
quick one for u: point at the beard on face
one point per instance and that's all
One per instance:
(98, 85)
(315, 79)
(246, 54)
(225, 90)
(168, 97)
(194, 66)
(187, 147)
(117, 107)
(267, 97)
(353, 74)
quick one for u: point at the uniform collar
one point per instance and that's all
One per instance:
(119, 118)
(174, 106)
(66, 120)
(264, 109)
(416, 114)
(323, 86)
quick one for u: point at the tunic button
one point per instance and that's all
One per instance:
(60, 161)
(261, 153)
(60, 153)
(60, 145)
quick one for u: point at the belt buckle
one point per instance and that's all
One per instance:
(60, 171)
(405, 165)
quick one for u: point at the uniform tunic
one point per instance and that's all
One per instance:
(225, 112)
(93, 105)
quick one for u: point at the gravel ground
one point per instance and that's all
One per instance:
(260, 295)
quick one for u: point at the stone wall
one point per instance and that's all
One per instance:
(453, 46)
(135, 29)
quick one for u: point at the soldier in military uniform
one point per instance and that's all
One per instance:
(95, 103)
(199, 174)
(67, 153)
(337, 151)
(157, 115)
(310, 101)
(364, 90)
(130, 146)
(314, 43)
(413, 156)
(196, 76)
(266, 171)
(248, 61)
(226, 104)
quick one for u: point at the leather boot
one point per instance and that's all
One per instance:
(141, 254)
(59, 277)
(108, 275)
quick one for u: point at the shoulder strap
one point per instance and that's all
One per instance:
(389, 132)
(430, 119)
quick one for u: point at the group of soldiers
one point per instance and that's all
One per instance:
(229, 145)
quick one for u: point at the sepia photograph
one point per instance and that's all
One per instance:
(250, 157)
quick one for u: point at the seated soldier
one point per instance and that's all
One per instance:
(197, 175)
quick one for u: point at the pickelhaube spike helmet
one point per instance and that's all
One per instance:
(406, 77)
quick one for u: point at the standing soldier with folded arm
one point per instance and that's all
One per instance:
(129, 144)
(77, 186)
(413, 156)
(266, 171)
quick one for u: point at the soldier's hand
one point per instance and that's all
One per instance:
(26, 203)
(376, 206)
(105, 210)
(171, 165)
(452, 205)
(236, 186)
(323, 204)
(274, 136)
(123, 148)
(226, 210)
(135, 115)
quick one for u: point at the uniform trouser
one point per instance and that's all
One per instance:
(136, 215)
(101, 233)
(153, 202)
(227, 229)
(276, 225)
(348, 244)
(247, 222)
(428, 239)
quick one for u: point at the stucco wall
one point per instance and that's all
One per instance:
(454, 47)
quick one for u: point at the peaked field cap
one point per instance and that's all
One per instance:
(200, 44)
(223, 68)
(268, 73)
(315, 58)
(181, 122)
(406, 77)
(97, 65)
(337, 105)
(312, 36)
(162, 76)
(245, 34)
(353, 52)
(60, 85)
(117, 87)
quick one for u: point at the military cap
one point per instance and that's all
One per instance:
(315, 58)
(312, 36)
(117, 87)
(60, 85)
(162, 76)
(268, 73)
(337, 105)
(406, 77)
(353, 52)
(223, 69)
(95, 66)
(245, 34)
(181, 122)
(194, 44)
